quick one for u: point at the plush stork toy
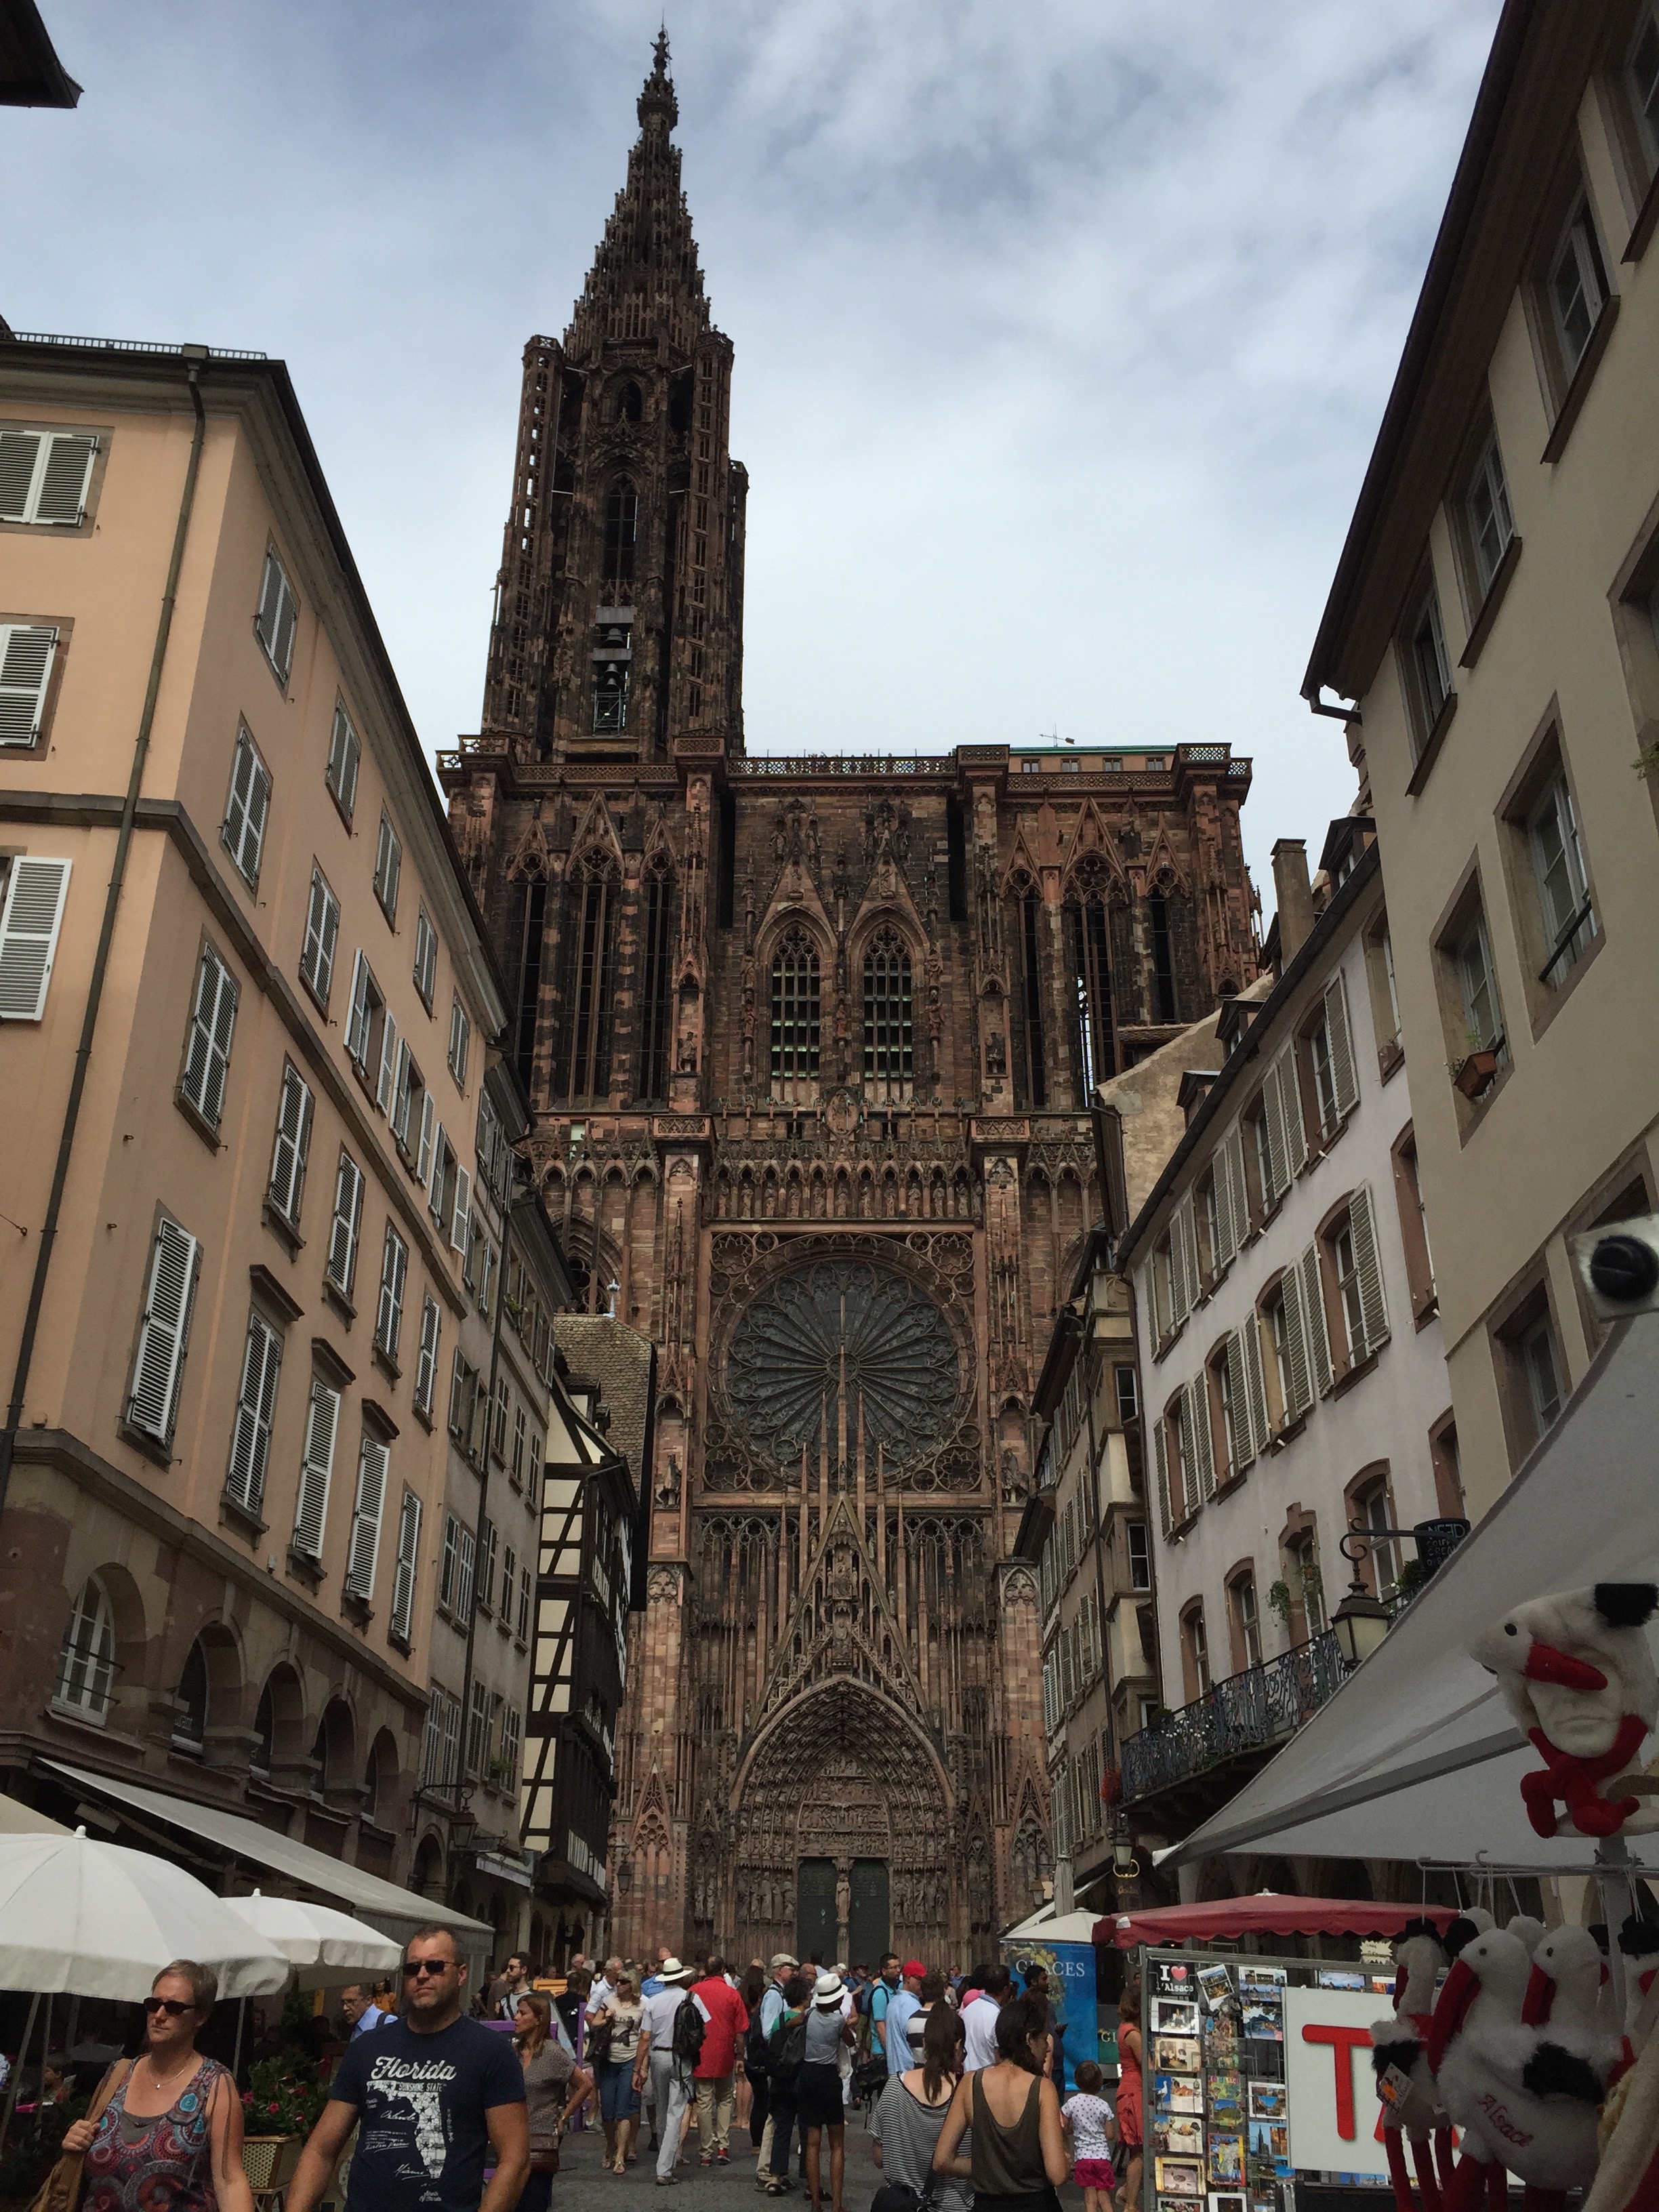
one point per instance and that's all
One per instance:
(1576, 1672)
(1397, 2048)
(1523, 2100)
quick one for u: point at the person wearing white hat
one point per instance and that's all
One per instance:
(664, 2060)
(818, 2097)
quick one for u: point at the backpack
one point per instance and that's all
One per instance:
(689, 2024)
(785, 2052)
(861, 2002)
(754, 2042)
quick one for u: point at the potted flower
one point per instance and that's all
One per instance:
(282, 2103)
(1473, 1073)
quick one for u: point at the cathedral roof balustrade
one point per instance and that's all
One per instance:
(872, 764)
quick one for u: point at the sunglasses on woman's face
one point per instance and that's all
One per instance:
(171, 2006)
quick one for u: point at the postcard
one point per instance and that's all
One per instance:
(1216, 1983)
(1173, 2204)
(1178, 2093)
(1171, 2016)
(1265, 1980)
(1226, 2099)
(1174, 1977)
(1227, 2160)
(1228, 2200)
(1267, 2100)
(1178, 2134)
(1339, 1978)
(1177, 2054)
(1180, 2177)
(1262, 2025)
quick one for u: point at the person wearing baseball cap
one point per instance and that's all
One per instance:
(904, 2001)
(783, 1964)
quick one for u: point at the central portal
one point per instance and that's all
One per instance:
(868, 1932)
(841, 1910)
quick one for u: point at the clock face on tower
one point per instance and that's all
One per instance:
(837, 1334)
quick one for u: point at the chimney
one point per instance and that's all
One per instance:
(1290, 888)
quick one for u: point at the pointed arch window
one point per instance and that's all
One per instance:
(657, 990)
(1089, 984)
(591, 965)
(888, 1042)
(1161, 946)
(795, 997)
(1030, 1074)
(622, 517)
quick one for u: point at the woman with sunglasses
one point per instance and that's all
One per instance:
(165, 2130)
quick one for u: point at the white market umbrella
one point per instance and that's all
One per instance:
(325, 1948)
(96, 1920)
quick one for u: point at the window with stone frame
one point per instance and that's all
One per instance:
(1163, 999)
(889, 1054)
(1413, 1227)
(1194, 1652)
(1548, 875)
(657, 983)
(795, 1025)
(1425, 664)
(1244, 1619)
(1532, 1372)
(1030, 1066)
(1089, 975)
(1370, 1512)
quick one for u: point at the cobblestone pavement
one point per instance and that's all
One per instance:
(583, 2185)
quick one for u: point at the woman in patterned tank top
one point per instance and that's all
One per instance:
(170, 2137)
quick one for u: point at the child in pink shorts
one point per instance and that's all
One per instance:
(1089, 2122)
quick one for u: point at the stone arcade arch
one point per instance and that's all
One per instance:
(842, 1805)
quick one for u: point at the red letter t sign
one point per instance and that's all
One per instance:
(1344, 2042)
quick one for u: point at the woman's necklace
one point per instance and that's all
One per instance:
(160, 2078)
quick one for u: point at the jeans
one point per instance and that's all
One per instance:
(670, 2095)
(715, 2096)
(782, 2122)
(760, 2104)
(537, 2193)
(618, 2099)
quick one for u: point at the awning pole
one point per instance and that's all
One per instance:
(236, 2058)
(1612, 1875)
(17, 2070)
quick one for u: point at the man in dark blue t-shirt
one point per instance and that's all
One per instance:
(428, 2092)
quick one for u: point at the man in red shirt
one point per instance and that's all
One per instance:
(726, 2023)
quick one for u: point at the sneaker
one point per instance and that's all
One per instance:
(722, 2158)
(707, 2159)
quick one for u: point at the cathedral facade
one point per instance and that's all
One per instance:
(810, 1043)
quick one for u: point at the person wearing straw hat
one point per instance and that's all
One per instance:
(664, 2066)
(818, 2099)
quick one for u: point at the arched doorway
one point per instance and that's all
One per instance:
(844, 1836)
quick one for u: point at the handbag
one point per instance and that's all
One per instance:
(61, 2189)
(599, 2043)
(544, 2157)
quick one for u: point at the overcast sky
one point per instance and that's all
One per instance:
(1063, 327)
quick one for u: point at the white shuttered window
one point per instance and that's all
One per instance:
(278, 615)
(26, 650)
(44, 475)
(322, 930)
(389, 1315)
(322, 1425)
(164, 1333)
(243, 833)
(1313, 1302)
(388, 867)
(1374, 1307)
(374, 1463)
(409, 1559)
(348, 1222)
(255, 1406)
(288, 1163)
(343, 753)
(426, 1367)
(31, 916)
(207, 1049)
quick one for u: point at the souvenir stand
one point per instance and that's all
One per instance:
(1419, 1759)
(1257, 2074)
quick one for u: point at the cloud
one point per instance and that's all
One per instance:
(1062, 329)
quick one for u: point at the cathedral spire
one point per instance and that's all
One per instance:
(645, 275)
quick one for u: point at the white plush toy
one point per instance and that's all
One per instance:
(1576, 1671)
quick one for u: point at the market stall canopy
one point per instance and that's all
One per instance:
(17, 1819)
(396, 1912)
(1047, 1927)
(1267, 1913)
(94, 1920)
(323, 1947)
(1415, 1757)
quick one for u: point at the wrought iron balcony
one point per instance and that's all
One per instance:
(1246, 1712)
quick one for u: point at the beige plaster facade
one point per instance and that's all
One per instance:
(224, 1509)
(1492, 619)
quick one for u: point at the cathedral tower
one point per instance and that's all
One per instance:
(619, 604)
(811, 1043)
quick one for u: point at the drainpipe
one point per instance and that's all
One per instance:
(100, 959)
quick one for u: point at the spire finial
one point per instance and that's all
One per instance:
(658, 97)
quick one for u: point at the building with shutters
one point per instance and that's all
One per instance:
(1494, 618)
(500, 1403)
(1292, 1379)
(243, 1100)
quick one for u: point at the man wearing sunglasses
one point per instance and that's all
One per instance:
(430, 2093)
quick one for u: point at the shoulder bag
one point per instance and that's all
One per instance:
(61, 2189)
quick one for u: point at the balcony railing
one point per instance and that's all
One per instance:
(1245, 1712)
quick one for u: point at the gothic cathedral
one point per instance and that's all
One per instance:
(810, 1041)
